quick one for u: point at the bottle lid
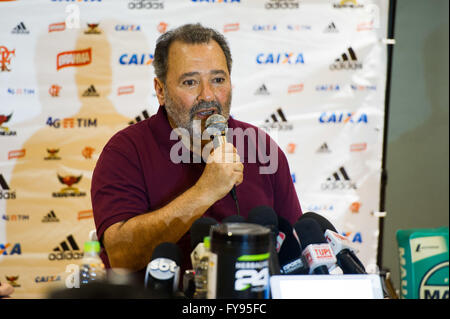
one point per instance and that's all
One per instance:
(207, 241)
(92, 246)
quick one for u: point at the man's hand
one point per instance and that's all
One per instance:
(5, 290)
(223, 170)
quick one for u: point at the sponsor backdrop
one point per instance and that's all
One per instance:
(310, 73)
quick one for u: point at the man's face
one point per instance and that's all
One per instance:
(197, 84)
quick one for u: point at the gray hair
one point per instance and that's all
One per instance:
(191, 34)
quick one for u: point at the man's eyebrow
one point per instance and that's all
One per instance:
(194, 73)
(188, 74)
(218, 72)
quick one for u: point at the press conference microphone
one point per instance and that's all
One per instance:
(266, 216)
(163, 271)
(199, 230)
(342, 248)
(216, 126)
(317, 251)
(289, 249)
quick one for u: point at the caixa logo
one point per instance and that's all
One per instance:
(355, 237)
(10, 249)
(136, 59)
(343, 117)
(280, 58)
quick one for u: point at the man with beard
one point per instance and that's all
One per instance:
(142, 196)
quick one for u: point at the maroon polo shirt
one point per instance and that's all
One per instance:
(134, 175)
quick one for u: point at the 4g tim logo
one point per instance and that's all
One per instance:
(71, 122)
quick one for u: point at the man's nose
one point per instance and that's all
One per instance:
(206, 92)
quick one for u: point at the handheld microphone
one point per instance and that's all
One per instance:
(317, 251)
(266, 216)
(342, 248)
(216, 126)
(163, 271)
(199, 230)
(290, 257)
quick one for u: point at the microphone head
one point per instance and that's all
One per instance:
(234, 219)
(169, 251)
(309, 232)
(264, 216)
(322, 221)
(200, 229)
(216, 124)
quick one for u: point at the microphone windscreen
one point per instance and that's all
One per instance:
(290, 248)
(323, 222)
(264, 216)
(234, 219)
(309, 232)
(200, 229)
(169, 251)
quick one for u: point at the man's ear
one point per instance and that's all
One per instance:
(159, 90)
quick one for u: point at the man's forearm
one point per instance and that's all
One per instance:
(130, 244)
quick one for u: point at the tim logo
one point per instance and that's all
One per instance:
(69, 190)
(5, 58)
(73, 58)
(5, 192)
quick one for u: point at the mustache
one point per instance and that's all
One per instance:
(204, 105)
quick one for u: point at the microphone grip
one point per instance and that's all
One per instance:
(348, 264)
(321, 270)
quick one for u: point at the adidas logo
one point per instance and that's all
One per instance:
(262, 90)
(138, 118)
(331, 28)
(5, 192)
(339, 180)
(67, 250)
(323, 149)
(20, 29)
(277, 121)
(90, 91)
(347, 61)
(50, 217)
(274, 117)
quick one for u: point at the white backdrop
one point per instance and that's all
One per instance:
(311, 73)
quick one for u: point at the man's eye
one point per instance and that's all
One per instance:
(189, 82)
(219, 80)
